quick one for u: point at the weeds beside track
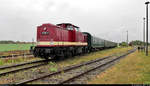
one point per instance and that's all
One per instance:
(14, 68)
(75, 69)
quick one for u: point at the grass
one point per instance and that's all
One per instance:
(145, 68)
(17, 60)
(1, 62)
(12, 47)
(132, 70)
(15, 52)
(91, 56)
(53, 67)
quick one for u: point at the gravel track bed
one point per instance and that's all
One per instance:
(55, 79)
(14, 68)
(25, 74)
(91, 75)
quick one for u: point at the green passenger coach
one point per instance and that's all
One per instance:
(98, 43)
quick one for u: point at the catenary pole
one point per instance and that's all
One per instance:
(144, 33)
(147, 27)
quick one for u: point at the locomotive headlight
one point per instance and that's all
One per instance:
(45, 28)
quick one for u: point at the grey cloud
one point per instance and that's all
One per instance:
(19, 18)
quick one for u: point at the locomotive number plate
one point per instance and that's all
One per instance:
(45, 33)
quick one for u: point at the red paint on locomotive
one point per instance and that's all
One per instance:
(65, 34)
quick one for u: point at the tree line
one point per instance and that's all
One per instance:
(133, 43)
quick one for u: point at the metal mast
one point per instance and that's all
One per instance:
(147, 27)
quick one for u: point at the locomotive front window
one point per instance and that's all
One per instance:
(69, 27)
(77, 29)
(45, 33)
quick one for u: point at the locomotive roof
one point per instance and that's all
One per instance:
(67, 24)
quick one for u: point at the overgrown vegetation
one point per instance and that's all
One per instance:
(14, 52)
(1, 62)
(132, 70)
(53, 67)
(93, 55)
(16, 60)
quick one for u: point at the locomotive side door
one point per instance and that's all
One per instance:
(73, 35)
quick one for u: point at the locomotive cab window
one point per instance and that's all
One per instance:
(77, 29)
(69, 27)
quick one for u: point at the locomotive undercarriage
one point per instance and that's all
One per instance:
(58, 52)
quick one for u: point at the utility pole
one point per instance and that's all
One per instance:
(127, 37)
(144, 33)
(147, 27)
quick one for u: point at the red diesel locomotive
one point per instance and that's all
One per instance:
(61, 40)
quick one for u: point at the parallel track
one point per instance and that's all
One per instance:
(74, 67)
(42, 62)
(10, 56)
(92, 69)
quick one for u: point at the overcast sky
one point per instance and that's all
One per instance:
(108, 19)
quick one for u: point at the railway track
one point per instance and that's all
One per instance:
(15, 55)
(22, 66)
(70, 73)
(109, 63)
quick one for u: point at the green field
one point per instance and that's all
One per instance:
(11, 47)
